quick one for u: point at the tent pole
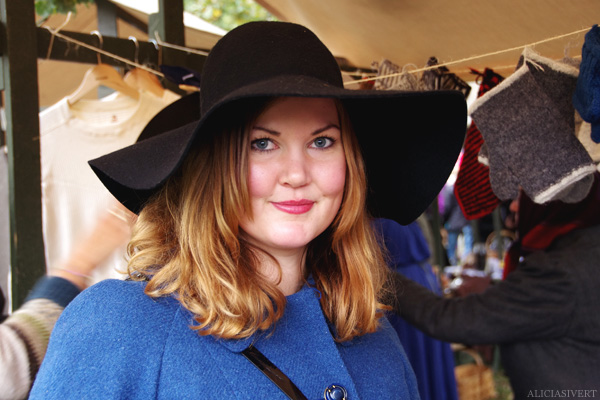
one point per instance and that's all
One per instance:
(20, 83)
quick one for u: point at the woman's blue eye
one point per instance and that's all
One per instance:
(261, 144)
(322, 142)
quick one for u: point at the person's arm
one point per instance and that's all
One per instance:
(24, 335)
(532, 303)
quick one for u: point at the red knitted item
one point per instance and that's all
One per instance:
(472, 188)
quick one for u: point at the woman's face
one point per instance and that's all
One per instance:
(297, 173)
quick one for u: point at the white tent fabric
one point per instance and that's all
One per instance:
(411, 31)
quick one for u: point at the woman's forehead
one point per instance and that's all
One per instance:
(286, 109)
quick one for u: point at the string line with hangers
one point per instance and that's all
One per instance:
(103, 52)
(463, 60)
(177, 47)
(158, 43)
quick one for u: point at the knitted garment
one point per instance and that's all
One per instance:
(586, 98)
(24, 335)
(527, 122)
(72, 196)
(390, 78)
(472, 188)
(113, 342)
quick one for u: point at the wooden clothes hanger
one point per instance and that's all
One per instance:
(144, 81)
(102, 75)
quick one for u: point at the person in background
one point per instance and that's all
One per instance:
(24, 334)
(543, 314)
(254, 270)
(455, 224)
(432, 360)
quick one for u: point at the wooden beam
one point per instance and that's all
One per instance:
(19, 67)
(168, 22)
(107, 17)
(168, 25)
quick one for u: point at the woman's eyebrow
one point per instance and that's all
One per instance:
(276, 133)
(269, 131)
(326, 128)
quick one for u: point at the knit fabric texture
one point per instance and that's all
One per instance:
(586, 98)
(527, 122)
(24, 335)
(472, 188)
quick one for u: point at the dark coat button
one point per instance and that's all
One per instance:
(335, 392)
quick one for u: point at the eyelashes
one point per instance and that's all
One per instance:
(266, 144)
(262, 144)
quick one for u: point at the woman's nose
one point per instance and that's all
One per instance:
(296, 169)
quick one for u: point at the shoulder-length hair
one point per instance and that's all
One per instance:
(187, 242)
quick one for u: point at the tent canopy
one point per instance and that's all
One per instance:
(406, 32)
(410, 31)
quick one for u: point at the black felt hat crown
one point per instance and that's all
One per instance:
(409, 140)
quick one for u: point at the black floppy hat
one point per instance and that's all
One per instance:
(410, 140)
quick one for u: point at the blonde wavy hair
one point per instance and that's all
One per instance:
(187, 243)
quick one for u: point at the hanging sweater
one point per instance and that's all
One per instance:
(72, 196)
(24, 335)
(114, 342)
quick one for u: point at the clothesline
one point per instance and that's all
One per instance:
(100, 51)
(56, 33)
(177, 47)
(157, 41)
(463, 60)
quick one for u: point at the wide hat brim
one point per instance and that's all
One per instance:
(410, 142)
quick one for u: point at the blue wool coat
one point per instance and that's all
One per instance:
(113, 341)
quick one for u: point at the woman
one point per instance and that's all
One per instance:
(253, 263)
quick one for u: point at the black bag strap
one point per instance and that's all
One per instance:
(273, 373)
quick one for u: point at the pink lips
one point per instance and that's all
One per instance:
(294, 206)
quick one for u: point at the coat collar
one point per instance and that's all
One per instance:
(306, 299)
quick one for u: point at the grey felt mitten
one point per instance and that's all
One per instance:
(504, 182)
(484, 157)
(527, 122)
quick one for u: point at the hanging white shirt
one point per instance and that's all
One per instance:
(72, 196)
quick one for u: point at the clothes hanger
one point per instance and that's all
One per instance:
(142, 79)
(102, 75)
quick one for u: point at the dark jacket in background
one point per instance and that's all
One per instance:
(545, 316)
